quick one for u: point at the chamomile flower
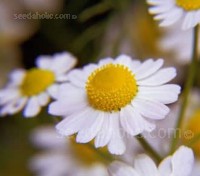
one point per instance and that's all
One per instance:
(179, 164)
(62, 157)
(114, 97)
(171, 11)
(33, 88)
(179, 42)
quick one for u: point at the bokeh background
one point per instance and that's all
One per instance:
(101, 28)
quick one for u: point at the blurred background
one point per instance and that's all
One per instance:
(90, 30)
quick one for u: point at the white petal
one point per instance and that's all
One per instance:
(120, 169)
(63, 62)
(13, 107)
(171, 17)
(44, 62)
(75, 122)
(148, 68)
(145, 166)
(43, 99)
(32, 108)
(105, 61)
(160, 8)
(17, 76)
(60, 108)
(77, 77)
(165, 167)
(53, 91)
(116, 145)
(165, 94)
(88, 134)
(70, 100)
(132, 122)
(69, 92)
(104, 135)
(150, 109)
(124, 60)
(8, 95)
(182, 162)
(161, 77)
(189, 21)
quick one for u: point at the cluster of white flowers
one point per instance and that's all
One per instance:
(102, 104)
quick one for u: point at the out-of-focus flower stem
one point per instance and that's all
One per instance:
(148, 148)
(188, 85)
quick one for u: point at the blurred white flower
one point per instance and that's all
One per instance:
(179, 164)
(60, 158)
(33, 88)
(104, 97)
(171, 11)
(179, 42)
(14, 31)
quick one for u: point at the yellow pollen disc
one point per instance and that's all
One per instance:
(111, 87)
(36, 81)
(194, 128)
(86, 153)
(189, 4)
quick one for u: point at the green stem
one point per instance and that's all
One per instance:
(188, 86)
(148, 148)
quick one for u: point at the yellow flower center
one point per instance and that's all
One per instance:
(36, 81)
(189, 4)
(111, 87)
(86, 153)
(194, 128)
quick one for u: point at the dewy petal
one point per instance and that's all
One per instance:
(87, 135)
(165, 94)
(150, 109)
(116, 145)
(120, 169)
(148, 68)
(159, 78)
(165, 167)
(32, 108)
(144, 165)
(182, 162)
(104, 135)
(75, 122)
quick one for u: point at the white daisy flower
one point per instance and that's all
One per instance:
(171, 11)
(33, 88)
(107, 99)
(61, 157)
(179, 164)
(179, 42)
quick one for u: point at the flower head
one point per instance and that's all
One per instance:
(106, 100)
(33, 88)
(171, 11)
(62, 156)
(179, 164)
